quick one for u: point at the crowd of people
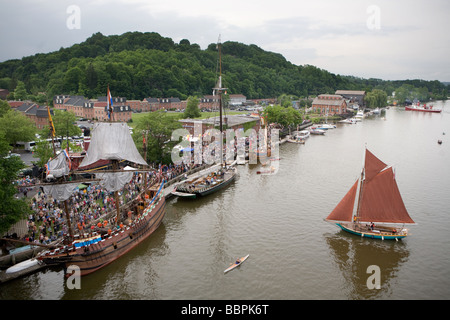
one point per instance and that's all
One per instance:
(87, 205)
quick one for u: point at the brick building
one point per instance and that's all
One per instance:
(37, 114)
(94, 109)
(330, 104)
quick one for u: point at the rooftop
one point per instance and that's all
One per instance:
(354, 92)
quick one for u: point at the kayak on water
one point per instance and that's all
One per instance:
(237, 263)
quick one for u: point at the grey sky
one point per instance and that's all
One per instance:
(397, 39)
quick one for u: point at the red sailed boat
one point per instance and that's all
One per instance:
(380, 211)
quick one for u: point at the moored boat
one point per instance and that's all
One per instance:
(349, 120)
(380, 211)
(359, 115)
(299, 136)
(211, 181)
(206, 184)
(124, 230)
(423, 108)
(316, 131)
(326, 126)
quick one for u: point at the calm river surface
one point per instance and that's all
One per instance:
(278, 220)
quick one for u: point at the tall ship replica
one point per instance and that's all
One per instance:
(380, 211)
(123, 229)
(214, 180)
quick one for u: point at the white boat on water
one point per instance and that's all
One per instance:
(350, 120)
(376, 111)
(359, 115)
(302, 134)
(326, 126)
(316, 131)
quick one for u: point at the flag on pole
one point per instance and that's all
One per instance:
(66, 153)
(109, 101)
(52, 127)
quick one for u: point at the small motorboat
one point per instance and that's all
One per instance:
(316, 131)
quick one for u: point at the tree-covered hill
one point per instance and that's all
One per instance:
(136, 65)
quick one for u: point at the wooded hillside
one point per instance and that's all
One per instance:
(138, 65)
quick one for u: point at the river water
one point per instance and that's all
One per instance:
(278, 220)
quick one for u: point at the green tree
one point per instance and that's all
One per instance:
(65, 123)
(16, 127)
(20, 93)
(192, 111)
(376, 99)
(157, 127)
(4, 108)
(72, 80)
(43, 151)
(286, 117)
(11, 208)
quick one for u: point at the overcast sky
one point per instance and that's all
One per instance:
(387, 39)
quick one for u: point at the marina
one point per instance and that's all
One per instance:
(278, 220)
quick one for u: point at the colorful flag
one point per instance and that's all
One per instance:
(52, 127)
(66, 153)
(109, 101)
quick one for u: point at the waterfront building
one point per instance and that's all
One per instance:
(353, 96)
(330, 104)
(237, 99)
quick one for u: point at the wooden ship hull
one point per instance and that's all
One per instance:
(93, 253)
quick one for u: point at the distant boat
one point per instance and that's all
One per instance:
(299, 136)
(380, 211)
(326, 126)
(236, 264)
(359, 115)
(376, 111)
(350, 120)
(316, 131)
(304, 134)
(423, 108)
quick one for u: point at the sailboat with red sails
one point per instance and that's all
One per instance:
(380, 211)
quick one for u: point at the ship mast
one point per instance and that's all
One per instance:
(66, 206)
(115, 163)
(220, 91)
